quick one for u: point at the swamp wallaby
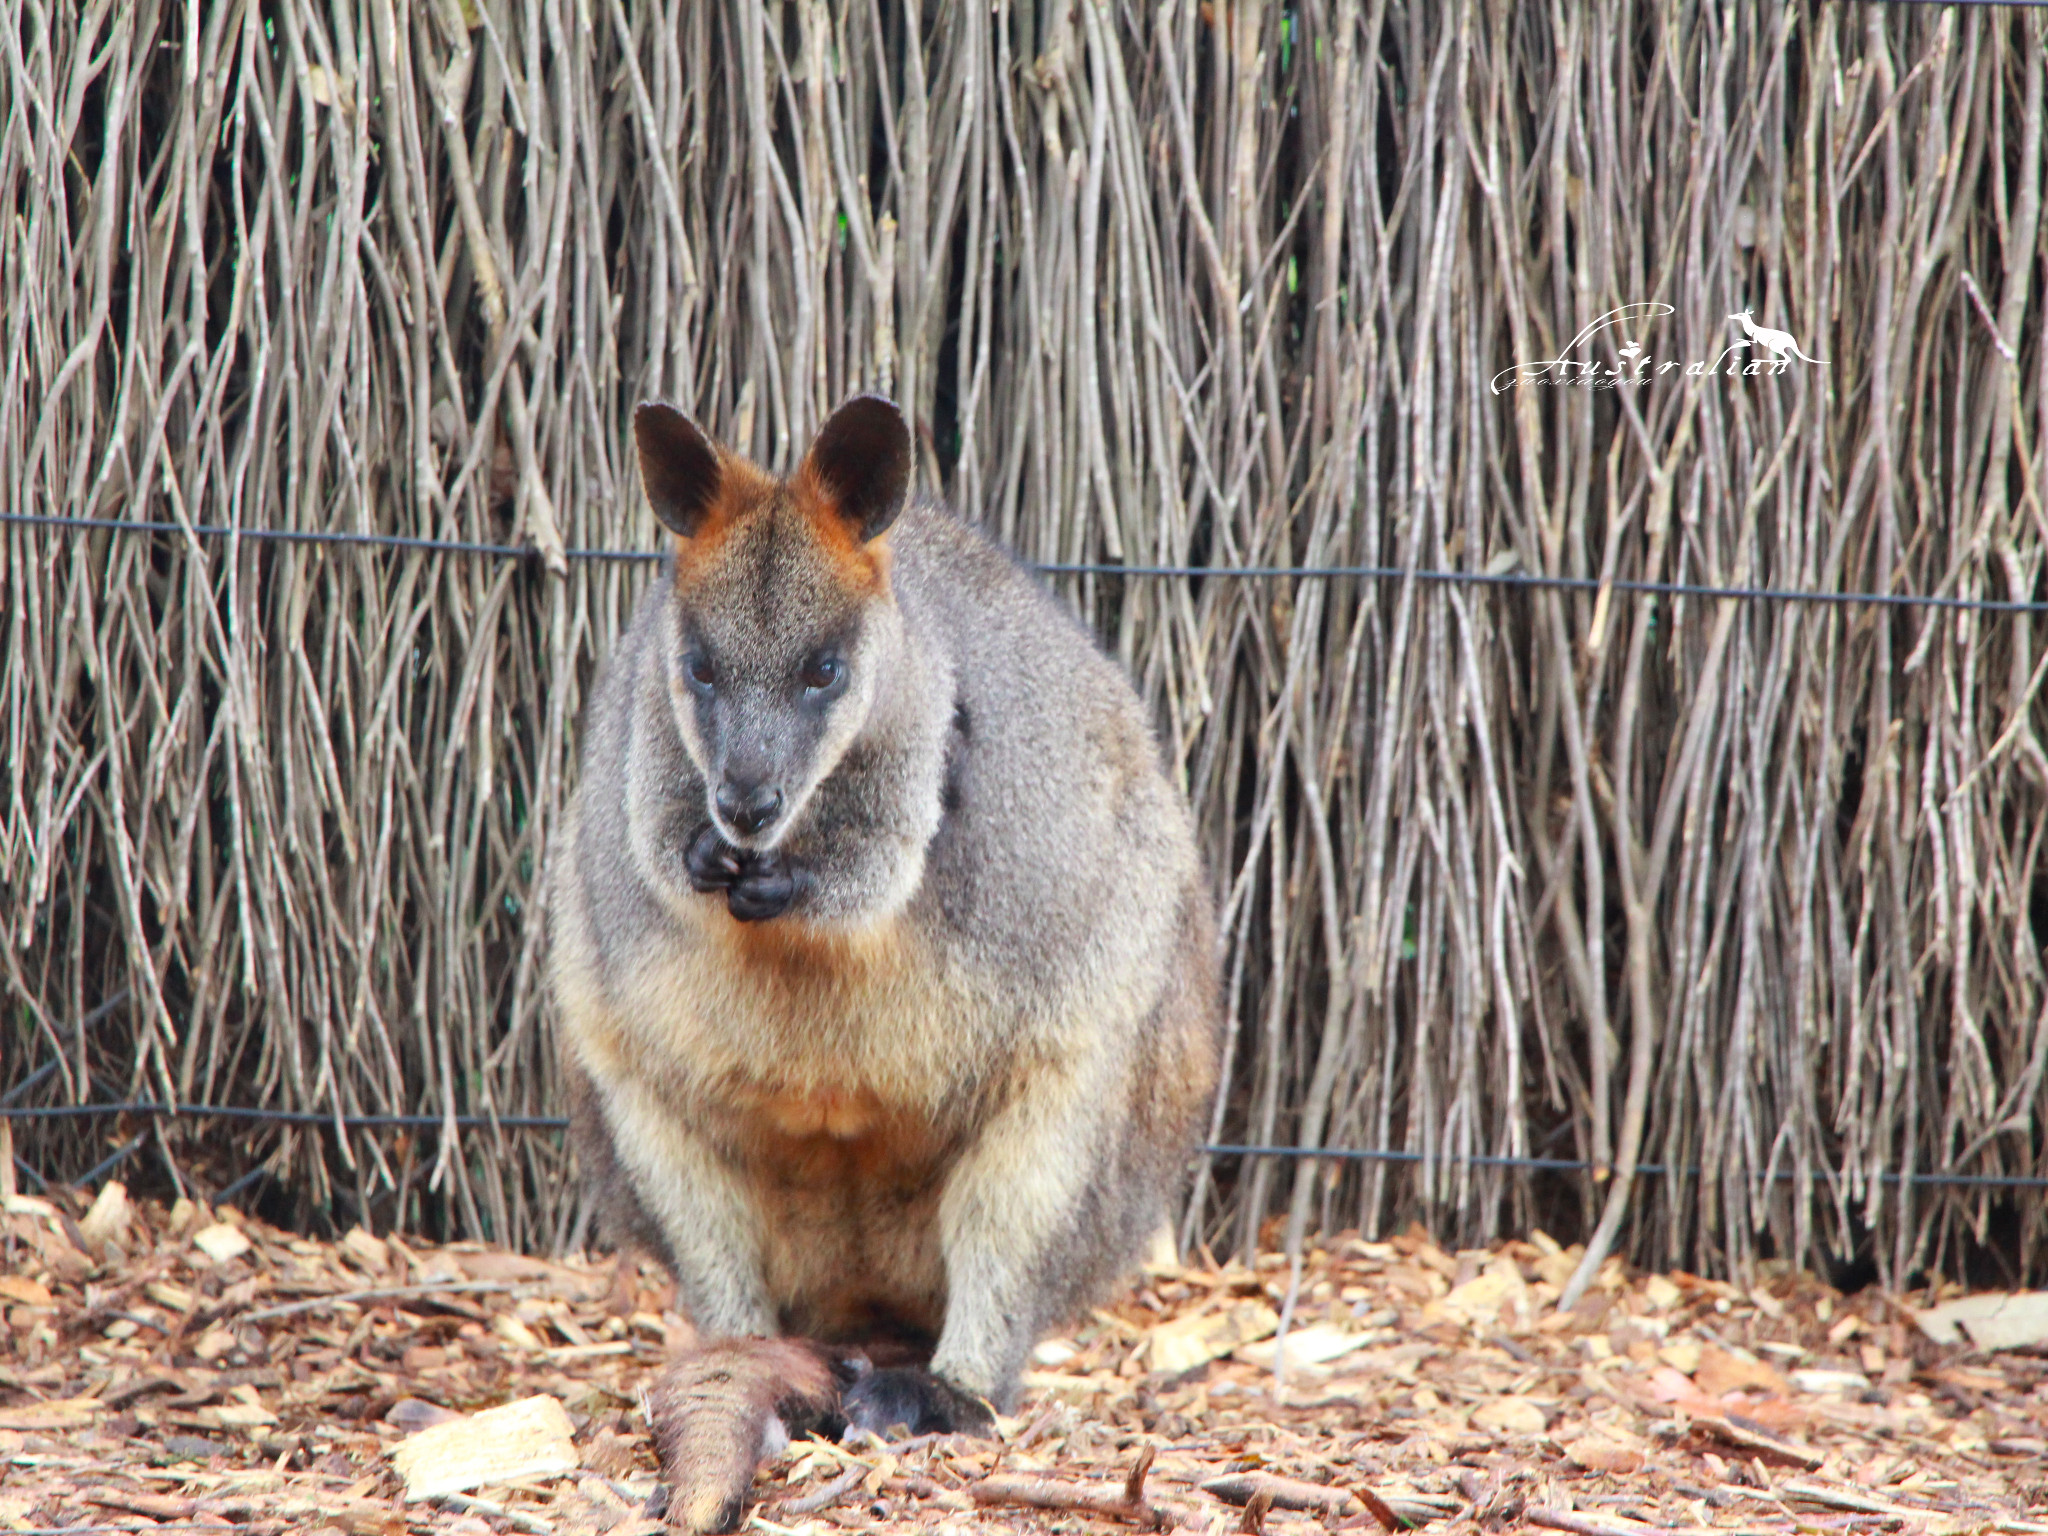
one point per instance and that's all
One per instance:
(883, 951)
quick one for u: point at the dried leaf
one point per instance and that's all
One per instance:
(1496, 1298)
(529, 1438)
(1682, 1355)
(1510, 1416)
(1179, 1346)
(1316, 1345)
(1998, 1321)
(1598, 1454)
(1667, 1385)
(55, 1413)
(220, 1242)
(105, 1226)
(1662, 1293)
(367, 1251)
(242, 1415)
(20, 1288)
(1721, 1371)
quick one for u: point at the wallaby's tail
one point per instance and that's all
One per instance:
(720, 1408)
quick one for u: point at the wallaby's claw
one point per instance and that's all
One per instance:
(909, 1401)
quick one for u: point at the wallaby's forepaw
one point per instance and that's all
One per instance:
(712, 862)
(757, 886)
(764, 889)
(915, 1402)
(719, 1408)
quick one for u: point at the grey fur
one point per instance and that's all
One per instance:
(950, 1093)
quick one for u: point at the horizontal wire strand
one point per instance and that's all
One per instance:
(1215, 1149)
(406, 542)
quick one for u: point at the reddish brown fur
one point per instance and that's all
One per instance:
(709, 1410)
(862, 566)
(745, 490)
(826, 1139)
(797, 951)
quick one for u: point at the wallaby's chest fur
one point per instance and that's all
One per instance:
(712, 1009)
(882, 948)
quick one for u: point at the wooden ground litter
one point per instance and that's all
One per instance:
(193, 1369)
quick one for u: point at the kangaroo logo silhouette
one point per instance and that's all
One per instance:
(1780, 344)
(1763, 352)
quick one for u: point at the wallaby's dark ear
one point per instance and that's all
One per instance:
(860, 461)
(678, 466)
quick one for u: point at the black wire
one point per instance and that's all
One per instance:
(107, 1165)
(1084, 568)
(281, 1116)
(261, 1170)
(88, 1022)
(1219, 1149)
(315, 536)
(1566, 583)
(1385, 1155)
(1573, 1165)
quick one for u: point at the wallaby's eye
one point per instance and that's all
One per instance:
(698, 665)
(822, 673)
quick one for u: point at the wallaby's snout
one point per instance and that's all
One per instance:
(749, 804)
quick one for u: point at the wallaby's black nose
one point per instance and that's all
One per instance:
(752, 811)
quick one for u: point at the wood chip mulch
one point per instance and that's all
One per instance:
(194, 1369)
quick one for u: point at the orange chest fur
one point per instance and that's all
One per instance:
(824, 1138)
(838, 1113)
(788, 1032)
(861, 1067)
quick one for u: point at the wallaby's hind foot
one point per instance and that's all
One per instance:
(915, 1402)
(719, 1409)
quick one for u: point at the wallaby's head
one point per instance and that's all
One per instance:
(784, 620)
(1746, 316)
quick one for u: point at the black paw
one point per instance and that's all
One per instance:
(764, 889)
(908, 1401)
(712, 862)
(757, 886)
